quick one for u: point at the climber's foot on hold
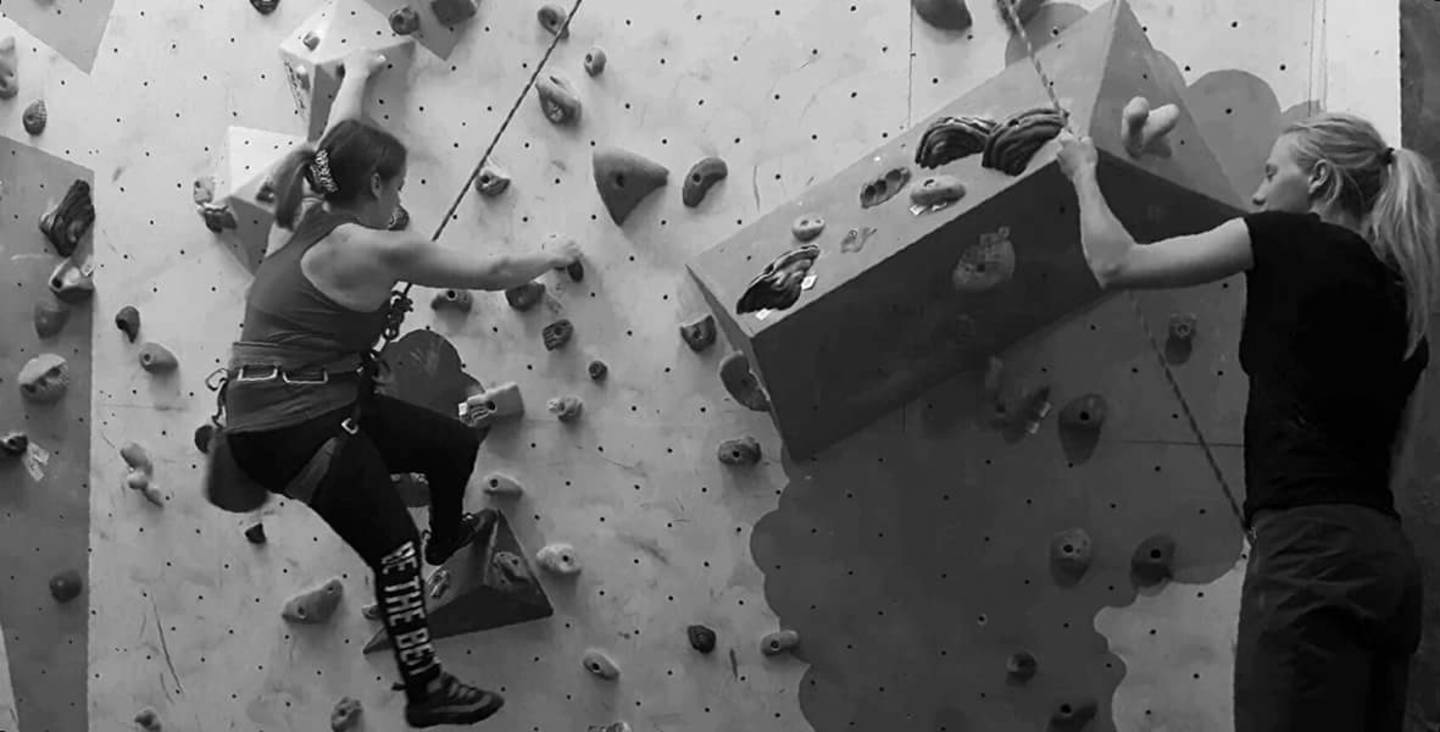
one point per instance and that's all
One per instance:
(439, 548)
(447, 700)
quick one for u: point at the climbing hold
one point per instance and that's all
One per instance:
(202, 437)
(778, 286)
(453, 12)
(1012, 144)
(438, 584)
(1182, 338)
(986, 264)
(575, 270)
(71, 282)
(952, 138)
(525, 296)
(1022, 666)
(44, 378)
(218, 217)
(596, 662)
(265, 7)
(142, 470)
(149, 720)
(808, 227)
(35, 117)
(1146, 131)
(885, 187)
(944, 14)
(1086, 413)
(700, 333)
(9, 84)
(311, 40)
(595, 61)
(1070, 555)
(502, 485)
(128, 321)
(483, 409)
(552, 18)
(938, 191)
(14, 444)
(598, 370)
(559, 559)
(567, 408)
(741, 383)
(702, 638)
(371, 611)
(743, 451)
(458, 300)
(1026, 9)
(266, 192)
(157, 359)
(558, 99)
(492, 181)
(256, 533)
(404, 21)
(66, 585)
(346, 715)
(624, 179)
(855, 239)
(137, 458)
(1152, 560)
(557, 334)
(1073, 716)
(612, 727)
(50, 318)
(314, 606)
(66, 223)
(702, 177)
(399, 219)
(779, 642)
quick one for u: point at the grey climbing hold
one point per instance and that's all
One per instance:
(552, 18)
(453, 12)
(558, 559)
(14, 444)
(952, 138)
(779, 642)
(149, 720)
(50, 318)
(485, 408)
(1073, 716)
(598, 370)
(937, 190)
(265, 7)
(702, 177)
(779, 285)
(128, 321)
(157, 359)
(1182, 327)
(35, 117)
(739, 452)
(624, 179)
(1086, 413)
(950, 15)
(558, 99)
(404, 21)
(66, 223)
(595, 61)
(884, 187)
(492, 181)
(1146, 131)
(314, 606)
(600, 664)
(1152, 561)
(346, 715)
(557, 334)
(218, 217)
(742, 385)
(1070, 556)
(311, 40)
(502, 485)
(202, 191)
(701, 638)
(621, 726)
(699, 333)
(1021, 666)
(808, 227)
(459, 301)
(566, 408)
(66, 586)
(985, 265)
(44, 379)
(256, 533)
(525, 296)
(71, 282)
(9, 83)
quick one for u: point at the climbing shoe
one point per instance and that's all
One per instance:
(472, 527)
(451, 701)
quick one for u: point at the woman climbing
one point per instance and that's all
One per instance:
(301, 374)
(1341, 267)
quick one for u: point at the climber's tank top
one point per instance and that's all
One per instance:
(290, 323)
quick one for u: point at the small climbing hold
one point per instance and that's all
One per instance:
(128, 321)
(557, 334)
(702, 177)
(699, 333)
(14, 444)
(149, 720)
(218, 217)
(68, 221)
(459, 301)
(558, 559)
(558, 99)
(66, 585)
(598, 370)
(950, 15)
(552, 18)
(492, 181)
(596, 662)
(142, 471)
(9, 85)
(255, 534)
(1086, 413)
(438, 584)
(453, 12)
(502, 485)
(35, 117)
(371, 611)
(1073, 716)
(1026, 9)
(1012, 144)
(953, 138)
(203, 190)
(265, 7)
(855, 239)
(808, 227)
(1152, 561)
(612, 727)
(575, 271)
(157, 359)
(137, 458)
(624, 179)
(566, 408)
(311, 40)
(525, 296)
(1022, 666)
(742, 451)
(884, 188)
(314, 606)
(50, 318)
(779, 285)
(44, 378)
(742, 384)
(937, 191)
(779, 642)
(346, 715)
(1182, 327)
(404, 21)
(595, 61)
(399, 219)
(72, 282)
(483, 409)
(701, 638)
(986, 264)
(1146, 131)
(1070, 555)
(202, 437)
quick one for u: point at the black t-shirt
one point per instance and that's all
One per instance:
(1324, 345)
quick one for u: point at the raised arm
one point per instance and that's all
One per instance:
(411, 257)
(359, 68)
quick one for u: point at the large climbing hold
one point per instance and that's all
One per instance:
(486, 408)
(453, 12)
(953, 138)
(779, 642)
(566, 408)
(1011, 146)
(699, 334)
(492, 181)
(985, 265)
(1084, 414)
(459, 301)
(597, 662)
(255, 534)
(50, 318)
(595, 61)
(315, 606)
(9, 83)
(558, 99)
(702, 177)
(624, 179)
(739, 452)
(265, 7)
(44, 379)
(779, 285)
(14, 444)
(128, 321)
(1153, 561)
(157, 359)
(552, 18)
(526, 296)
(345, 717)
(66, 586)
(1073, 715)
(149, 720)
(558, 559)
(1021, 666)
(501, 485)
(950, 15)
(884, 187)
(72, 282)
(742, 384)
(557, 334)
(1070, 555)
(35, 118)
(1147, 131)
(701, 638)
(68, 221)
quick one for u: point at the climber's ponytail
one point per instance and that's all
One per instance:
(1403, 226)
(290, 178)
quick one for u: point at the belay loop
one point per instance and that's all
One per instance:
(400, 304)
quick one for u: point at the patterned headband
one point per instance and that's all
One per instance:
(320, 171)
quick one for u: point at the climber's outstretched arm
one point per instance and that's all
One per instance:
(349, 103)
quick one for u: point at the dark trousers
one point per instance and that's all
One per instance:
(1330, 616)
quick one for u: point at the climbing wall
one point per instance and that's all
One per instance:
(913, 557)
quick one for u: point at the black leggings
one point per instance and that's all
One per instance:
(357, 499)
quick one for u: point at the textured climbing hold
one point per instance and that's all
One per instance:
(953, 138)
(950, 15)
(552, 18)
(502, 485)
(35, 117)
(9, 83)
(14, 444)
(525, 296)
(265, 7)
(1146, 131)
(255, 534)
(702, 177)
(701, 638)
(1022, 666)
(558, 559)
(595, 61)
(1073, 716)
(699, 333)
(600, 664)
(346, 715)
(128, 321)
(808, 227)
(218, 217)
(1086, 413)
(438, 584)
(741, 383)
(66, 585)
(499, 402)
(404, 21)
(779, 285)
(453, 12)
(157, 359)
(50, 318)
(314, 606)
(71, 282)
(598, 370)
(149, 720)
(492, 181)
(985, 265)
(624, 179)
(566, 408)
(558, 99)
(66, 223)
(937, 190)
(855, 239)
(1070, 556)
(1182, 327)
(44, 378)
(742, 451)
(459, 301)
(779, 642)
(885, 187)
(1153, 559)
(557, 334)
(1013, 143)
(1026, 9)
(399, 219)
